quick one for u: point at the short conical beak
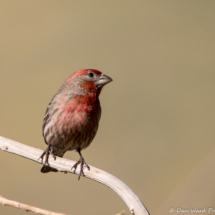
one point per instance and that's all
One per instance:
(104, 79)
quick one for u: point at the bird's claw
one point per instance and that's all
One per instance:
(46, 153)
(81, 162)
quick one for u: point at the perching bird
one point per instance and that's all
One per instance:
(72, 117)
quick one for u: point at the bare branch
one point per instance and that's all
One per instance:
(26, 207)
(61, 164)
(121, 213)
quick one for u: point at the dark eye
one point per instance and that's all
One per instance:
(91, 74)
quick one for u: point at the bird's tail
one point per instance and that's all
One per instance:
(46, 169)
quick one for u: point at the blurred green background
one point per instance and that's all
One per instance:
(157, 128)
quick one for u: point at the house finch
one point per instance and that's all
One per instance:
(72, 117)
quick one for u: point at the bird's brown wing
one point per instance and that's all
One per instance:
(46, 119)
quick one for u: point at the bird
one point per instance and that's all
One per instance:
(72, 117)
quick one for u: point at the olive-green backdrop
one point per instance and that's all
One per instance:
(157, 128)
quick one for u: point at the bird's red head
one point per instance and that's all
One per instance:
(87, 81)
(86, 72)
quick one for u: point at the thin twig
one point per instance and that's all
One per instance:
(8, 202)
(121, 213)
(61, 164)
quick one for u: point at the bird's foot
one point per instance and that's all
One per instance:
(46, 154)
(81, 162)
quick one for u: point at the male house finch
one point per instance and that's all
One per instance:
(72, 117)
